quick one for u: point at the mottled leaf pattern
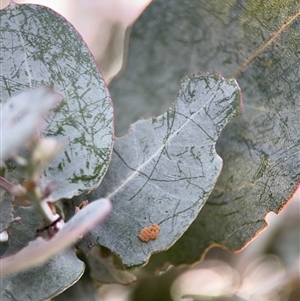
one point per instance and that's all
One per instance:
(164, 169)
(39, 47)
(258, 43)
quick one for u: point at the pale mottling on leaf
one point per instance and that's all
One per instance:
(261, 149)
(164, 169)
(41, 48)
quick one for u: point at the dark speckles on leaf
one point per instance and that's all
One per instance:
(97, 169)
(59, 166)
(81, 140)
(56, 55)
(83, 178)
(67, 156)
(157, 169)
(59, 131)
(264, 163)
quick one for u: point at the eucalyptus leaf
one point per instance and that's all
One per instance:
(164, 169)
(43, 282)
(39, 47)
(81, 290)
(39, 250)
(6, 209)
(258, 43)
(169, 41)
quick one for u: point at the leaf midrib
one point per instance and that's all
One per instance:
(247, 62)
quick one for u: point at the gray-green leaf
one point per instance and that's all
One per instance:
(164, 169)
(38, 47)
(80, 291)
(258, 42)
(43, 282)
(40, 250)
(6, 209)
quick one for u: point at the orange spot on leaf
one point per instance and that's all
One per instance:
(149, 233)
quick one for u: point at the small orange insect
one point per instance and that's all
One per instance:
(149, 233)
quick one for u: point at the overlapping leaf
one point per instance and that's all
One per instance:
(259, 44)
(55, 268)
(40, 283)
(44, 282)
(6, 209)
(38, 47)
(81, 290)
(40, 250)
(164, 169)
(20, 117)
(103, 269)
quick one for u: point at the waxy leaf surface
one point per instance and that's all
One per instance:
(38, 47)
(40, 250)
(258, 44)
(42, 282)
(164, 169)
(57, 267)
(6, 209)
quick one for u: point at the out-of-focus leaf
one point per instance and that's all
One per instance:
(20, 117)
(261, 278)
(80, 291)
(38, 47)
(285, 231)
(103, 269)
(212, 280)
(43, 282)
(5, 211)
(40, 250)
(259, 44)
(169, 41)
(164, 169)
